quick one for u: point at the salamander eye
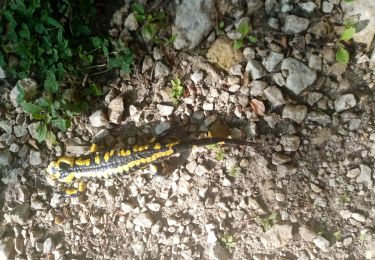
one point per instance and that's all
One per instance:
(64, 165)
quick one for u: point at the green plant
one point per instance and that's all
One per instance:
(267, 222)
(244, 30)
(342, 54)
(177, 90)
(229, 242)
(234, 171)
(337, 235)
(219, 152)
(151, 24)
(52, 42)
(362, 238)
(344, 198)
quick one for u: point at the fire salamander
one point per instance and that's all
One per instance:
(66, 169)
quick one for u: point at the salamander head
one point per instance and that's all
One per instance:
(58, 170)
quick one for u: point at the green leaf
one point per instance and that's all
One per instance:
(39, 28)
(54, 23)
(60, 36)
(342, 55)
(160, 16)
(171, 40)
(244, 28)
(238, 44)
(114, 63)
(349, 1)
(149, 31)
(43, 102)
(347, 34)
(137, 8)
(140, 18)
(221, 24)
(24, 32)
(50, 84)
(105, 51)
(96, 89)
(272, 216)
(31, 108)
(96, 41)
(21, 94)
(51, 138)
(38, 116)
(12, 22)
(61, 123)
(253, 39)
(81, 30)
(41, 132)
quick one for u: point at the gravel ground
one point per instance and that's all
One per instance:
(305, 192)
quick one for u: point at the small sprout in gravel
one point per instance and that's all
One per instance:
(151, 24)
(362, 238)
(219, 153)
(337, 235)
(267, 222)
(170, 40)
(342, 55)
(228, 242)
(344, 198)
(177, 90)
(220, 28)
(234, 171)
(244, 29)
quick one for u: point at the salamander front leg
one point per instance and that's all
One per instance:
(75, 190)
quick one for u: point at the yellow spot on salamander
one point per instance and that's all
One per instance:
(106, 156)
(142, 148)
(131, 164)
(94, 148)
(157, 146)
(222, 142)
(71, 191)
(143, 160)
(111, 153)
(153, 169)
(170, 145)
(135, 148)
(81, 162)
(97, 159)
(124, 152)
(124, 168)
(65, 159)
(82, 186)
(69, 178)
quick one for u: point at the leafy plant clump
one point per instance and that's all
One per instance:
(244, 30)
(229, 242)
(234, 171)
(267, 222)
(52, 42)
(151, 24)
(177, 90)
(342, 54)
(219, 152)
